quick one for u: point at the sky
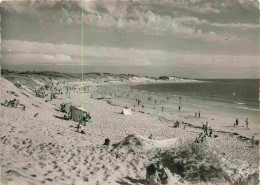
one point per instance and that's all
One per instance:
(185, 38)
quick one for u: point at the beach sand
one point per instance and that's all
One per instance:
(219, 115)
(46, 149)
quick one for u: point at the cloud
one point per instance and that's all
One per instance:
(118, 62)
(188, 20)
(147, 22)
(24, 52)
(188, 25)
(205, 9)
(237, 25)
(165, 17)
(18, 47)
(195, 20)
(65, 54)
(28, 58)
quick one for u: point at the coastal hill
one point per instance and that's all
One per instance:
(33, 79)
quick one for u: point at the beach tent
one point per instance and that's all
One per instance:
(127, 111)
(76, 113)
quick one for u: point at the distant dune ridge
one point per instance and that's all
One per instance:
(97, 77)
(39, 146)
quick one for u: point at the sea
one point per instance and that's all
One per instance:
(243, 93)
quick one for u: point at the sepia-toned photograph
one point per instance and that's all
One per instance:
(129, 92)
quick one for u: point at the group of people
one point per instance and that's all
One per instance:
(197, 114)
(40, 93)
(14, 103)
(207, 131)
(176, 124)
(246, 122)
(138, 101)
(86, 118)
(201, 138)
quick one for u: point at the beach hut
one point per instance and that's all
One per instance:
(76, 113)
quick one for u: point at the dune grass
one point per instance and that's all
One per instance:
(194, 163)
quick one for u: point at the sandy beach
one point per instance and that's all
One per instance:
(220, 115)
(39, 147)
(129, 92)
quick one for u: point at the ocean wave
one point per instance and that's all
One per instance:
(246, 108)
(239, 103)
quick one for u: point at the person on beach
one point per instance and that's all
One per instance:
(201, 138)
(84, 119)
(142, 105)
(252, 140)
(152, 176)
(199, 114)
(177, 124)
(237, 122)
(6, 103)
(210, 132)
(161, 172)
(247, 122)
(78, 126)
(197, 140)
(206, 128)
(107, 142)
(179, 108)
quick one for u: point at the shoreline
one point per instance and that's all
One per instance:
(253, 106)
(241, 113)
(243, 138)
